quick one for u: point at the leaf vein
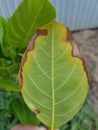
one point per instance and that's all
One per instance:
(53, 97)
(20, 27)
(67, 78)
(72, 92)
(64, 114)
(35, 101)
(32, 25)
(38, 87)
(15, 34)
(41, 68)
(45, 52)
(61, 55)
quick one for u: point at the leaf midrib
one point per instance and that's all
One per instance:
(30, 30)
(53, 100)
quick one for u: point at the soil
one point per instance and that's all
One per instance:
(88, 42)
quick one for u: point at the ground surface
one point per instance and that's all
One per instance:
(88, 41)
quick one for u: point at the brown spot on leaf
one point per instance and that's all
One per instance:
(36, 111)
(75, 46)
(76, 50)
(69, 36)
(30, 47)
(42, 32)
(76, 53)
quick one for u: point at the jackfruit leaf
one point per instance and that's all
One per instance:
(3, 22)
(2, 44)
(14, 68)
(3, 62)
(30, 15)
(23, 113)
(5, 48)
(53, 79)
(9, 84)
(1, 33)
(4, 72)
(10, 70)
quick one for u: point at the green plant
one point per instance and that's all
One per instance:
(53, 46)
(86, 119)
(7, 119)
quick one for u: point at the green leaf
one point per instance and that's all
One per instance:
(9, 84)
(23, 113)
(96, 123)
(30, 15)
(2, 46)
(53, 80)
(4, 72)
(2, 104)
(9, 70)
(3, 22)
(1, 33)
(14, 68)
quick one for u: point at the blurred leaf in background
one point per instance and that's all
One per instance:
(30, 15)
(7, 120)
(24, 114)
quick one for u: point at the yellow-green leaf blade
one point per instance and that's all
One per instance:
(54, 82)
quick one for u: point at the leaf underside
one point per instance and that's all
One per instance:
(52, 76)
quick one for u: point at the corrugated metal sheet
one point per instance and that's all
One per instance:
(76, 14)
(7, 7)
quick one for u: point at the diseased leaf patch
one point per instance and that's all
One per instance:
(52, 76)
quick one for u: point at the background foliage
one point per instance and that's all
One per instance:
(84, 120)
